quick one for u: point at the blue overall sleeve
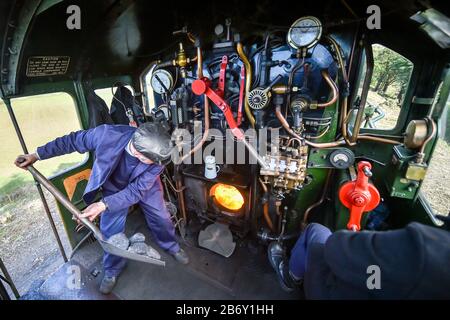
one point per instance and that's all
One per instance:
(133, 193)
(80, 141)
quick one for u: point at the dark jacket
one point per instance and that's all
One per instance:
(414, 263)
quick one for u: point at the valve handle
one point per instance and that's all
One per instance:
(359, 196)
(222, 77)
(202, 86)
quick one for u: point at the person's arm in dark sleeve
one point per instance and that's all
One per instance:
(80, 141)
(352, 257)
(132, 194)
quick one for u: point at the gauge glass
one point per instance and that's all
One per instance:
(340, 157)
(305, 32)
(161, 81)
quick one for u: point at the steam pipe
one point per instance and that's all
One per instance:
(199, 63)
(334, 90)
(433, 132)
(265, 236)
(206, 106)
(298, 65)
(286, 126)
(266, 207)
(344, 116)
(377, 139)
(344, 103)
(321, 200)
(248, 82)
(178, 182)
(427, 140)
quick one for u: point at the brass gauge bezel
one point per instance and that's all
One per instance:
(296, 46)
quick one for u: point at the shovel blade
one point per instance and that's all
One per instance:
(112, 249)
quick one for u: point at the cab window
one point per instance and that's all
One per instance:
(41, 119)
(107, 94)
(388, 86)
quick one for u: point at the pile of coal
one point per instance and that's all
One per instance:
(119, 240)
(136, 244)
(137, 238)
(138, 247)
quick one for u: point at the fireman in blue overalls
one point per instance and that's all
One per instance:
(128, 162)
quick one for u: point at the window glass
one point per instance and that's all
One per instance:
(41, 119)
(107, 94)
(388, 86)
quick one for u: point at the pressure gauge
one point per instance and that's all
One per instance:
(161, 81)
(342, 158)
(304, 33)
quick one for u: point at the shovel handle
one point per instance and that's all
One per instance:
(63, 200)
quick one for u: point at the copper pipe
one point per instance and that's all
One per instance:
(206, 108)
(320, 201)
(433, 132)
(191, 37)
(333, 144)
(344, 104)
(334, 90)
(263, 186)
(266, 207)
(427, 140)
(294, 139)
(286, 126)
(248, 82)
(322, 134)
(199, 63)
(279, 216)
(377, 139)
(205, 133)
(280, 89)
(267, 216)
(325, 144)
(344, 115)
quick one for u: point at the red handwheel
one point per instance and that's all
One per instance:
(359, 196)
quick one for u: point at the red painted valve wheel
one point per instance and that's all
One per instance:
(359, 196)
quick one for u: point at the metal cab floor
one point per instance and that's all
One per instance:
(247, 274)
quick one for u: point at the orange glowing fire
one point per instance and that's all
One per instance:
(227, 196)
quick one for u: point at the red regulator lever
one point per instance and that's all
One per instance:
(222, 77)
(203, 86)
(359, 196)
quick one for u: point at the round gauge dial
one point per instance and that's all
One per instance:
(304, 33)
(342, 158)
(161, 81)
